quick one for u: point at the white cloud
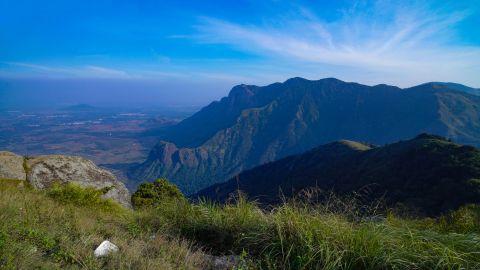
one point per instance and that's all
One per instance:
(28, 70)
(380, 43)
(87, 71)
(412, 43)
(97, 71)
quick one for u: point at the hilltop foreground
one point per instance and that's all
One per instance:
(60, 227)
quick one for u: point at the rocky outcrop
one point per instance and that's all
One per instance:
(11, 166)
(43, 171)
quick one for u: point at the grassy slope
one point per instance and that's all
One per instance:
(60, 229)
(302, 237)
(46, 231)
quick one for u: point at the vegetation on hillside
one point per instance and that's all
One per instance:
(55, 229)
(420, 174)
(60, 228)
(301, 236)
(152, 194)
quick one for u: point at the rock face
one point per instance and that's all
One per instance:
(43, 171)
(11, 166)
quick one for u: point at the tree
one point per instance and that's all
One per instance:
(152, 194)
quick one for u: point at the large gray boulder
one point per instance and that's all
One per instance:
(11, 166)
(44, 171)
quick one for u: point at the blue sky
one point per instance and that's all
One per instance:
(217, 44)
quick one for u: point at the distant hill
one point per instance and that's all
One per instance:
(427, 173)
(254, 125)
(79, 108)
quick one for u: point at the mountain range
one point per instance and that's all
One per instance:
(254, 125)
(427, 173)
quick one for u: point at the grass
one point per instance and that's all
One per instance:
(86, 197)
(299, 236)
(59, 229)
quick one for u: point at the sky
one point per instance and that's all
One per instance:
(190, 52)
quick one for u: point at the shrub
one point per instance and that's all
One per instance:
(152, 194)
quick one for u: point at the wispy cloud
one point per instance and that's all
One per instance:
(104, 72)
(100, 72)
(87, 71)
(38, 68)
(409, 41)
(375, 41)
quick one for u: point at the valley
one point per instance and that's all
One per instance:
(111, 137)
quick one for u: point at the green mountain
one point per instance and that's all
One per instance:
(427, 173)
(255, 125)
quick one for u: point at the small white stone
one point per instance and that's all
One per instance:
(105, 248)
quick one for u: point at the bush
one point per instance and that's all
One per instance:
(152, 194)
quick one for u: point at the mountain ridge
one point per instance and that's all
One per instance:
(254, 125)
(426, 173)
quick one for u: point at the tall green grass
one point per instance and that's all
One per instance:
(60, 228)
(300, 236)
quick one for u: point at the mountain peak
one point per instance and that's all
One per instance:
(241, 90)
(303, 80)
(330, 79)
(296, 80)
(427, 136)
